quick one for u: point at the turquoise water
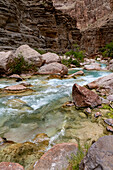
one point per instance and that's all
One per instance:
(41, 111)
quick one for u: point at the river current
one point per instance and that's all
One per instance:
(24, 116)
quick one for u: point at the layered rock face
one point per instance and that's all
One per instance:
(94, 18)
(97, 36)
(86, 12)
(36, 23)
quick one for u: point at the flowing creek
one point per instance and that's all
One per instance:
(24, 116)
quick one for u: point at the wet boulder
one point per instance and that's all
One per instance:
(51, 57)
(100, 155)
(78, 73)
(16, 77)
(16, 88)
(10, 166)
(83, 97)
(30, 55)
(53, 68)
(57, 157)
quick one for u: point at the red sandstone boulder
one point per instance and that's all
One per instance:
(15, 76)
(10, 166)
(53, 68)
(51, 57)
(16, 88)
(56, 158)
(83, 97)
(78, 73)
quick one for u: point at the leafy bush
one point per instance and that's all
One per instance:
(19, 65)
(40, 51)
(76, 56)
(107, 51)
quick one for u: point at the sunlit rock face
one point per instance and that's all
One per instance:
(36, 23)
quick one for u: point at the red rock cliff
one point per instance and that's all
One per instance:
(36, 23)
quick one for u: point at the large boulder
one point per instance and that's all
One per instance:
(110, 65)
(30, 55)
(83, 97)
(93, 66)
(10, 166)
(105, 83)
(5, 59)
(56, 158)
(100, 155)
(51, 57)
(53, 68)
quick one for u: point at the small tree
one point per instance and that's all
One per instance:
(76, 56)
(107, 51)
(19, 65)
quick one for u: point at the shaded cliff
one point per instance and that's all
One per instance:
(36, 23)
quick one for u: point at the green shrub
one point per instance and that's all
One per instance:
(107, 51)
(40, 51)
(75, 161)
(76, 56)
(19, 65)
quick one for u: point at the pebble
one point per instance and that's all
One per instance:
(97, 114)
(109, 128)
(109, 122)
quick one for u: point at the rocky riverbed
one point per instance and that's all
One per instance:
(48, 104)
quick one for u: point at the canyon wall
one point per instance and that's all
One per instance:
(36, 23)
(95, 38)
(86, 12)
(94, 18)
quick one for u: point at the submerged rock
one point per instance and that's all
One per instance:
(16, 103)
(24, 153)
(53, 68)
(42, 140)
(100, 155)
(10, 166)
(51, 57)
(57, 157)
(85, 132)
(83, 97)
